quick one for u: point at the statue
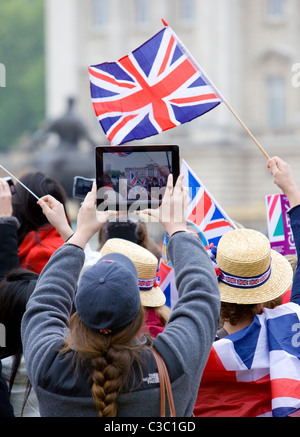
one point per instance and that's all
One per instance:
(70, 128)
(64, 160)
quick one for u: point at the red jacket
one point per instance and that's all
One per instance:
(38, 246)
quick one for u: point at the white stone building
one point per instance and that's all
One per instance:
(249, 49)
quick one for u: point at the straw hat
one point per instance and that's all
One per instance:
(146, 264)
(250, 271)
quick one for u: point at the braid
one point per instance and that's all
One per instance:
(108, 357)
(108, 377)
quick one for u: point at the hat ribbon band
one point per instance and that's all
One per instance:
(244, 282)
(146, 284)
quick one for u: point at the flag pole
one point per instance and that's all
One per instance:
(196, 65)
(246, 129)
(21, 183)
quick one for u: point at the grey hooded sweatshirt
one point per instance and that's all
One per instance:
(64, 389)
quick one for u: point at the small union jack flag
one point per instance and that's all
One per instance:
(123, 154)
(156, 87)
(203, 209)
(134, 180)
(165, 278)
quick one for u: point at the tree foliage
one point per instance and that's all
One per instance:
(22, 100)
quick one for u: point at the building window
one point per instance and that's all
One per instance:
(99, 13)
(275, 9)
(186, 10)
(142, 11)
(276, 102)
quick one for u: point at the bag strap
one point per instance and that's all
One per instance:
(165, 385)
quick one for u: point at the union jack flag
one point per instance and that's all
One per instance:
(256, 370)
(203, 209)
(156, 87)
(210, 221)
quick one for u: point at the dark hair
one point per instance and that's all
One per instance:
(118, 229)
(135, 232)
(25, 208)
(15, 290)
(234, 313)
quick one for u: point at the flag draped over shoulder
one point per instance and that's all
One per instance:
(156, 87)
(255, 371)
(203, 210)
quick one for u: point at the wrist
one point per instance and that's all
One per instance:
(288, 188)
(172, 228)
(66, 233)
(77, 239)
(294, 198)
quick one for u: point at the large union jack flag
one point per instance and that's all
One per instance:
(156, 87)
(203, 209)
(255, 371)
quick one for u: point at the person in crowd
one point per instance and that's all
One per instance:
(8, 238)
(129, 229)
(152, 297)
(293, 260)
(254, 362)
(8, 231)
(16, 285)
(15, 291)
(130, 238)
(15, 288)
(6, 409)
(37, 238)
(119, 226)
(94, 364)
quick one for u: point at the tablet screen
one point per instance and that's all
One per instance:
(134, 177)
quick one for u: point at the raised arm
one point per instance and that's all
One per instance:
(8, 231)
(56, 215)
(49, 307)
(284, 179)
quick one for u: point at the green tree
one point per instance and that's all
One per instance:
(22, 100)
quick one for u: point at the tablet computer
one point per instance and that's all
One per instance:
(134, 177)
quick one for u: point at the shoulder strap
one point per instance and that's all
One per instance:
(165, 385)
